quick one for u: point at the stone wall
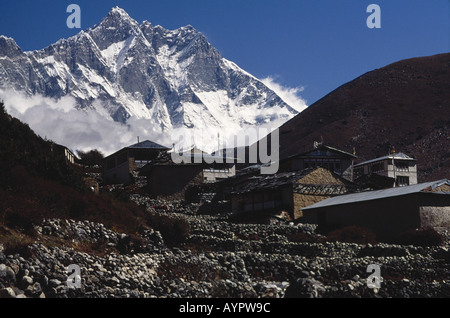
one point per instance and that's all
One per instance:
(320, 176)
(304, 200)
(435, 216)
(442, 188)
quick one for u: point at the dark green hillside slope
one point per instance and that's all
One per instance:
(36, 182)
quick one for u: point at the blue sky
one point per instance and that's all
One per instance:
(315, 44)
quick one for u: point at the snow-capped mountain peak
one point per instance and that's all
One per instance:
(9, 47)
(125, 70)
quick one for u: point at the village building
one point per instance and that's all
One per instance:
(215, 167)
(65, 152)
(170, 180)
(333, 159)
(388, 212)
(121, 166)
(91, 176)
(285, 194)
(221, 189)
(373, 182)
(401, 168)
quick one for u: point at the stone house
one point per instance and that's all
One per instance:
(386, 212)
(398, 166)
(170, 180)
(262, 197)
(65, 152)
(333, 159)
(221, 189)
(120, 167)
(215, 167)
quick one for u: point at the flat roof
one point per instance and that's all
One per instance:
(399, 155)
(378, 194)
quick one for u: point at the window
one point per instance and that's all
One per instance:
(402, 181)
(401, 166)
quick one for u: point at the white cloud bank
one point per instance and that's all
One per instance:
(290, 95)
(61, 122)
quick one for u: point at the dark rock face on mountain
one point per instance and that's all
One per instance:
(405, 105)
(123, 69)
(9, 48)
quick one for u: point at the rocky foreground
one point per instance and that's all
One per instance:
(218, 259)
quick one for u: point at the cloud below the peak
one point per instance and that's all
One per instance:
(61, 122)
(290, 95)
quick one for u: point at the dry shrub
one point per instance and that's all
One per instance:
(98, 248)
(352, 234)
(132, 243)
(29, 199)
(16, 243)
(421, 237)
(173, 229)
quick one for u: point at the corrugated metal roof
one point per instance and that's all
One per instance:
(399, 155)
(379, 194)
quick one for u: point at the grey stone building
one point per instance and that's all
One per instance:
(388, 212)
(118, 168)
(398, 166)
(333, 159)
(286, 193)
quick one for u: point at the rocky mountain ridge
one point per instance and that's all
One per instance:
(123, 69)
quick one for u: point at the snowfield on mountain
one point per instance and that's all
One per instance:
(126, 72)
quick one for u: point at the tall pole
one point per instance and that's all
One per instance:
(393, 167)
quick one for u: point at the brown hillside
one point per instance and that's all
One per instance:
(405, 105)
